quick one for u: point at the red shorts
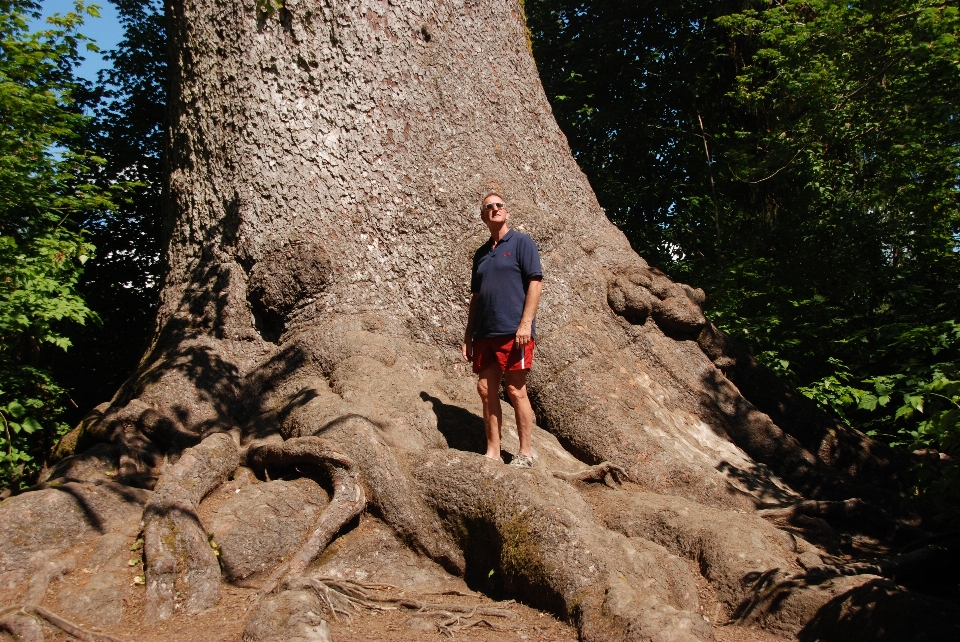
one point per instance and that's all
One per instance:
(501, 351)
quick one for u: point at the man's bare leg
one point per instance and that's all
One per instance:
(488, 385)
(517, 391)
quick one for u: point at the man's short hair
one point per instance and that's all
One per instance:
(500, 196)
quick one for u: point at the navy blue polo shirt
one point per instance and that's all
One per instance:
(500, 278)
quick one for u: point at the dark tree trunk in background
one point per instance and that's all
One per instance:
(326, 164)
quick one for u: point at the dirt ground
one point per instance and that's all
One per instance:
(369, 553)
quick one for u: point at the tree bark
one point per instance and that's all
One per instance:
(326, 163)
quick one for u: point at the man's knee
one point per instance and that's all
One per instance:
(485, 388)
(516, 393)
(516, 385)
(482, 388)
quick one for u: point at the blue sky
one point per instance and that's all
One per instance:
(105, 31)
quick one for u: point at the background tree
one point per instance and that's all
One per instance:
(44, 195)
(824, 225)
(128, 107)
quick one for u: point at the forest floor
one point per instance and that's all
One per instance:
(368, 553)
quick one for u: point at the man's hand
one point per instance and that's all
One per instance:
(467, 349)
(523, 334)
(529, 311)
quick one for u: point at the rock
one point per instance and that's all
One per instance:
(809, 560)
(880, 611)
(36, 524)
(96, 595)
(291, 616)
(98, 463)
(372, 553)
(421, 625)
(260, 523)
(98, 601)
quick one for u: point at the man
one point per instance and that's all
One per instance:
(505, 284)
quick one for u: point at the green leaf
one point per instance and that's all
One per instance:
(915, 401)
(16, 409)
(868, 402)
(31, 425)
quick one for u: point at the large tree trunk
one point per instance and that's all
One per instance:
(327, 159)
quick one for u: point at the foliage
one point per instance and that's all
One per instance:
(799, 159)
(43, 191)
(630, 83)
(127, 129)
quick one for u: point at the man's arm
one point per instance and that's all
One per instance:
(529, 311)
(467, 348)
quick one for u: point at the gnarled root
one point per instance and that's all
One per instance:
(813, 508)
(598, 473)
(776, 591)
(179, 557)
(937, 562)
(394, 495)
(22, 623)
(519, 522)
(349, 498)
(813, 520)
(22, 626)
(342, 597)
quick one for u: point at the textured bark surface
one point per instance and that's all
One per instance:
(327, 159)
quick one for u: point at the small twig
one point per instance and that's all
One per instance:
(713, 187)
(6, 427)
(766, 178)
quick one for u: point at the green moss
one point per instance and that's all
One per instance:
(519, 555)
(67, 445)
(526, 26)
(269, 7)
(573, 609)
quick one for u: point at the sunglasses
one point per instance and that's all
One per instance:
(492, 206)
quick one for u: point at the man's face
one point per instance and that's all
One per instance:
(494, 211)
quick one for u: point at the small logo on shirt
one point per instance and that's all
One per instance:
(506, 253)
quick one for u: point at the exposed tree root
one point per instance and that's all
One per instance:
(21, 621)
(349, 498)
(21, 625)
(596, 473)
(179, 557)
(825, 509)
(815, 520)
(936, 561)
(930, 563)
(395, 497)
(765, 587)
(727, 548)
(344, 597)
(40, 581)
(518, 523)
